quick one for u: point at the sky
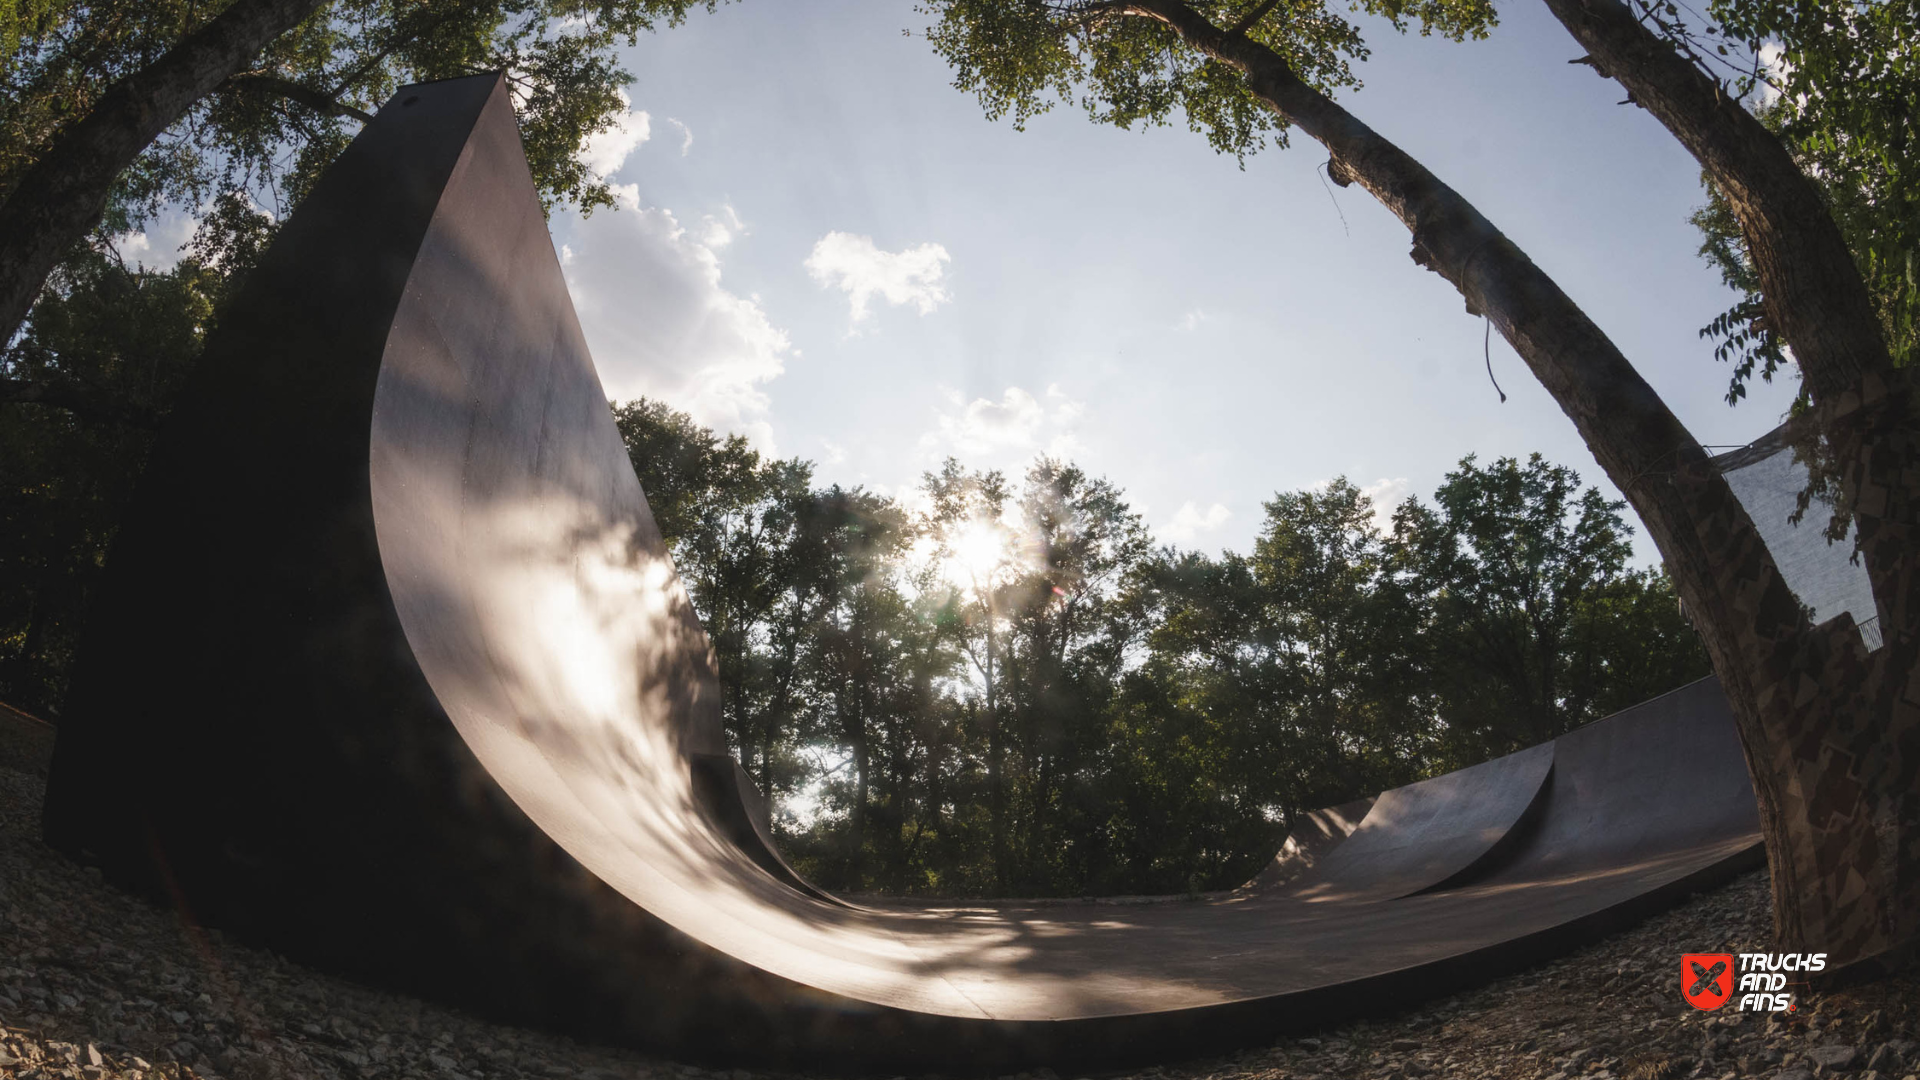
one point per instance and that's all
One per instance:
(822, 245)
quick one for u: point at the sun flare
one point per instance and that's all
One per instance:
(975, 550)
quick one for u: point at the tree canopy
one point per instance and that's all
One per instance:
(1021, 59)
(267, 131)
(1839, 82)
(1010, 688)
(96, 364)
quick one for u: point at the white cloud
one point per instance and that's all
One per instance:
(856, 266)
(1386, 494)
(835, 453)
(722, 230)
(983, 425)
(1018, 425)
(663, 325)
(1190, 521)
(607, 151)
(1193, 319)
(1066, 410)
(1774, 69)
(686, 135)
(158, 246)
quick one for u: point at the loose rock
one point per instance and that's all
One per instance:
(1833, 1058)
(97, 984)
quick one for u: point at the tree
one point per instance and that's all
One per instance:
(873, 666)
(1034, 578)
(1203, 765)
(57, 199)
(1272, 685)
(254, 99)
(880, 666)
(1844, 95)
(1064, 652)
(1534, 624)
(1834, 768)
(111, 111)
(967, 521)
(752, 544)
(1347, 630)
(70, 469)
(829, 646)
(1827, 728)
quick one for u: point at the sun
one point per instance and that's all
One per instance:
(976, 549)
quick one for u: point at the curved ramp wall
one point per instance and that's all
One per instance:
(391, 673)
(281, 715)
(1311, 840)
(1644, 788)
(1421, 835)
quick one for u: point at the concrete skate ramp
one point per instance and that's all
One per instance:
(1421, 835)
(1312, 838)
(391, 673)
(1606, 774)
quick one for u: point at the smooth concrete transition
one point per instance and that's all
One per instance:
(1314, 835)
(392, 673)
(1424, 835)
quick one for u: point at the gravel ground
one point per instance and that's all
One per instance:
(96, 984)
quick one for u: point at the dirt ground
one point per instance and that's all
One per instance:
(97, 984)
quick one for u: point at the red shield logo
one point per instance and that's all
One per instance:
(1706, 979)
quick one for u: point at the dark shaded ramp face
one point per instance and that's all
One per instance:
(390, 532)
(1419, 836)
(1317, 834)
(391, 673)
(1647, 786)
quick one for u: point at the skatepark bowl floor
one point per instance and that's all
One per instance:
(97, 984)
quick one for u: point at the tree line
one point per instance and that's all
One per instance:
(1005, 686)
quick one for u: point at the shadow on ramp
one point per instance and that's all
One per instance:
(392, 674)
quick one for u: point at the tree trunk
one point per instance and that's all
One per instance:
(780, 717)
(857, 734)
(766, 764)
(996, 773)
(899, 801)
(1815, 299)
(1820, 722)
(1846, 759)
(63, 195)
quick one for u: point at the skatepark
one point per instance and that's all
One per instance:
(394, 677)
